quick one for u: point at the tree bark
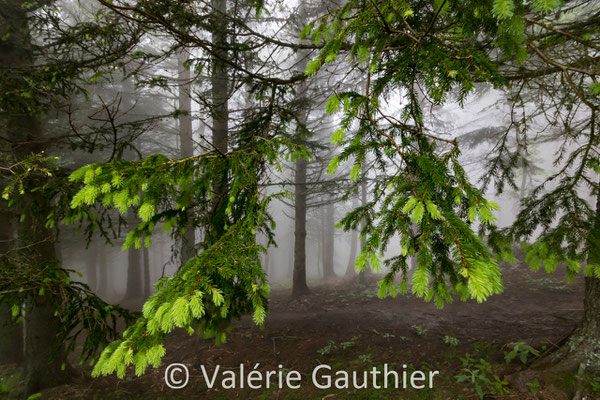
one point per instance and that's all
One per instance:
(103, 276)
(91, 267)
(299, 286)
(43, 356)
(11, 333)
(267, 264)
(329, 241)
(186, 142)
(42, 368)
(351, 268)
(363, 199)
(220, 117)
(146, 265)
(134, 274)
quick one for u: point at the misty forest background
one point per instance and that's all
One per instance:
(190, 156)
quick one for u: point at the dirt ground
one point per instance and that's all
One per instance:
(344, 325)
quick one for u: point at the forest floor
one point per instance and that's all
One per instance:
(345, 326)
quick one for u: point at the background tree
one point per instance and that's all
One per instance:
(33, 286)
(560, 216)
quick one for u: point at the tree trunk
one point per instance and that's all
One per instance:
(43, 357)
(351, 268)
(220, 118)
(363, 199)
(103, 276)
(299, 286)
(91, 267)
(320, 259)
(146, 264)
(329, 241)
(186, 142)
(583, 345)
(134, 274)
(24, 131)
(267, 264)
(523, 188)
(11, 334)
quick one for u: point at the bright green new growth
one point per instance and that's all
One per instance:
(199, 298)
(223, 281)
(415, 50)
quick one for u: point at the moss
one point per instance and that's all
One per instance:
(11, 380)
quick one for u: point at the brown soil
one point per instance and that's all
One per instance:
(536, 308)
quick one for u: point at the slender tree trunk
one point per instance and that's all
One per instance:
(220, 118)
(91, 267)
(11, 334)
(134, 289)
(267, 264)
(134, 274)
(103, 275)
(186, 142)
(146, 264)
(321, 254)
(363, 199)
(351, 268)
(523, 188)
(329, 241)
(299, 286)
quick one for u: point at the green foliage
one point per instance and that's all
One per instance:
(31, 168)
(451, 341)
(595, 384)
(349, 344)
(520, 350)
(202, 297)
(333, 104)
(503, 9)
(558, 219)
(546, 6)
(480, 375)
(80, 312)
(534, 387)
(419, 330)
(427, 200)
(328, 348)
(365, 358)
(222, 282)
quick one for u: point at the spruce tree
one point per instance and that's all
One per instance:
(48, 306)
(556, 86)
(441, 49)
